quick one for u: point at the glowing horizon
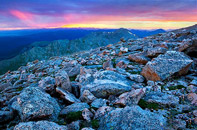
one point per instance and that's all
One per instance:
(131, 14)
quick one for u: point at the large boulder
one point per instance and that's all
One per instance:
(132, 118)
(40, 125)
(166, 65)
(34, 104)
(162, 99)
(105, 83)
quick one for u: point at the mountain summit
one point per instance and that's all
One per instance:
(145, 83)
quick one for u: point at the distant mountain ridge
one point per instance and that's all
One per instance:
(45, 50)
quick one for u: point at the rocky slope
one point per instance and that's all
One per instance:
(45, 50)
(144, 84)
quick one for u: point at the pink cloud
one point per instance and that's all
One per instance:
(22, 15)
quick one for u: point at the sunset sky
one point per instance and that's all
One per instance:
(136, 14)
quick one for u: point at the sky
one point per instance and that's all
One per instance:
(134, 14)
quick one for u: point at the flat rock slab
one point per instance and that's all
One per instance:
(166, 65)
(132, 118)
(105, 83)
(162, 99)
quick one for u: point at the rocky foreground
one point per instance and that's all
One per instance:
(143, 84)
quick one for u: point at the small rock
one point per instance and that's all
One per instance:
(193, 98)
(130, 98)
(74, 108)
(102, 111)
(66, 95)
(136, 77)
(63, 80)
(107, 64)
(87, 115)
(99, 103)
(87, 96)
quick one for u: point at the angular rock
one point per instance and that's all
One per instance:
(124, 49)
(107, 64)
(162, 99)
(87, 115)
(136, 77)
(74, 108)
(75, 125)
(166, 65)
(121, 64)
(72, 69)
(135, 48)
(48, 84)
(87, 96)
(192, 97)
(139, 58)
(99, 103)
(102, 111)
(130, 98)
(154, 52)
(40, 125)
(132, 118)
(67, 96)
(189, 47)
(34, 104)
(63, 80)
(105, 83)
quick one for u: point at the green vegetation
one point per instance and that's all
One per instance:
(135, 72)
(95, 124)
(19, 89)
(73, 78)
(74, 116)
(176, 87)
(143, 104)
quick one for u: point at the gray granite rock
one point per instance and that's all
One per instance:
(34, 104)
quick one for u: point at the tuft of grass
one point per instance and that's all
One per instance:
(74, 116)
(73, 78)
(19, 89)
(95, 124)
(143, 104)
(176, 87)
(135, 72)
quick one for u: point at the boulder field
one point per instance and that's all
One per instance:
(143, 84)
